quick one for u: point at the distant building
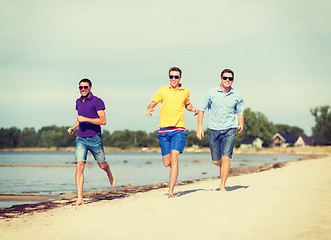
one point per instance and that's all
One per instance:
(283, 140)
(308, 141)
(251, 142)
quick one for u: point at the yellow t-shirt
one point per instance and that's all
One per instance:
(172, 105)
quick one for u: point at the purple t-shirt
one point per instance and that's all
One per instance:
(89, 109)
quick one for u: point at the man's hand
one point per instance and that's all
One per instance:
(71, 130)
(196, 111)
(200, 134)
(149, 112)
(81, 119)
(150, 109)
(240, 128)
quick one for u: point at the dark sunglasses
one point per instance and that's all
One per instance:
(230, 78)
(81, 87)
(171, 77)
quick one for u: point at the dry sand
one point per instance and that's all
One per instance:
(291, 202)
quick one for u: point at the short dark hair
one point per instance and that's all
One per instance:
(175, 69)
(87, 81)
(227, 71)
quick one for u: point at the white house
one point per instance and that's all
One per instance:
(251, 142)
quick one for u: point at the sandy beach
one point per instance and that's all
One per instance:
(286, 202)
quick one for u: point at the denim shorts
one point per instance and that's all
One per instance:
(221, 143)
(172, 141)
(93, 144)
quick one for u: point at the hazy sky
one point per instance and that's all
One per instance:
(280, 52)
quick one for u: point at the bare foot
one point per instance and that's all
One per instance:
(112, 180)
(222, 189)
(78, 202)
(170, 195)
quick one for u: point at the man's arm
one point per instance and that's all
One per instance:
(241, 123)
(73, 128)
(200, 133)
(101, 120)
(190, 108)
(150, 109)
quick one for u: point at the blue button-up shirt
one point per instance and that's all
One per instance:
(223, 108)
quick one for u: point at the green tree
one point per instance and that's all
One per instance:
(126, 139)
(106, 138)
(9, 138)
(286, 129)
(257, 125)
(146, 140)
(322, 117)
(53, 136)
(121, 139)
(28, 138)
(193, 140)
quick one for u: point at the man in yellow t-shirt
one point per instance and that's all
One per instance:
(172, 134)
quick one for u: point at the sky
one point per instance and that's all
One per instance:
(280, 52)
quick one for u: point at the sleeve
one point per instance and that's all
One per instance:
(158, 96)
(205, 103)
(100, 105)
(240, 106)
(187, 99)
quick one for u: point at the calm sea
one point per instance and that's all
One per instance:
(129, 168)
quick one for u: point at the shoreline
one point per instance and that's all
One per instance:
(288, 201)
(48, 202)
(276, 150)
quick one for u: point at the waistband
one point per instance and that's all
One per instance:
(90, 136)
(171, 129)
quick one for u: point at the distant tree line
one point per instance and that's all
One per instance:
(256, 125)
(51, 136)
(322, 117)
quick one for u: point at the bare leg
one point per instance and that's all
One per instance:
(166, 160)
(105, 166)
(224, 165)
(79, 182)
(172, 161)
(225, 169)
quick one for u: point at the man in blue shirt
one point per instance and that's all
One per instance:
(91, 114)
(226, 109)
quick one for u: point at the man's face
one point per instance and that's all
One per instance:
(227, 79)
(84, 89)
(174, 78)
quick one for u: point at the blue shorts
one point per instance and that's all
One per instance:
(172, 141)
(221, 143)
(93, 144)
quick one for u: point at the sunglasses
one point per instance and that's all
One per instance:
(172, 76)
(81, 87)
(230, 78)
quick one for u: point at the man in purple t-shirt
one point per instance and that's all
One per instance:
(91, 114)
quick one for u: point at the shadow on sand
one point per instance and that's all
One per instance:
(182, 193)
(229, 189)
(233, 188)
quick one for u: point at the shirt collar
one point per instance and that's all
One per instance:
(180, 87)
(89, 97)
(220, 90)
